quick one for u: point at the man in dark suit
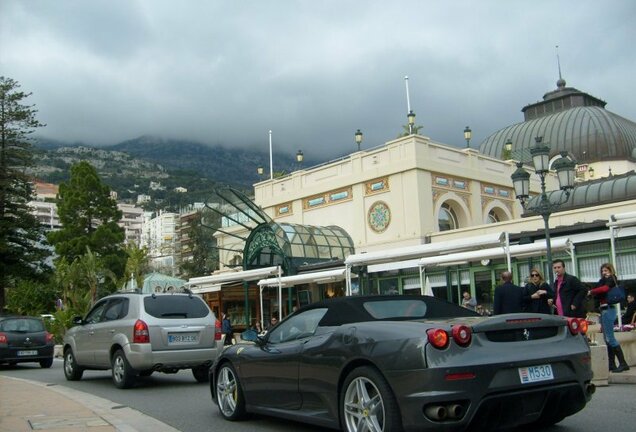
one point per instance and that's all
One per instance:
(569, 292)
(508, 296)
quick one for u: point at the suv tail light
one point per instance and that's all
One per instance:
(3, 338)
(141, 333)
(217, 331)
(462, 335)
(583, 325)
(49, 337)
(438, 338)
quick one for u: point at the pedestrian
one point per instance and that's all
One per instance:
(468, 302)
(608, 315)
(258, 328)
(537, 294)
(226, 329)
(508, 296)
(272, 322)
(629, 317)
(569, 292)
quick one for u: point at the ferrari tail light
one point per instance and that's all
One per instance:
(217, 331)
(140, 332)
(438, 338)
(3, 338)
(574, 324)
(49, 337)
(583, 325)
(462, 335)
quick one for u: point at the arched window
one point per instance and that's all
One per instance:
(493, 217)
(447, 219)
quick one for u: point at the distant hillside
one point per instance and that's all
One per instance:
(130, 167)
(230, 166)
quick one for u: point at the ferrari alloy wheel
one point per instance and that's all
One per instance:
(123, 373)
(229, 394)
(72, 371)
(368, 405)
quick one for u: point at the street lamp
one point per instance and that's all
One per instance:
(358, 136)
(411, 118)
(507, 149)
(299, 158)
(468, 134)
(565, 169)
(260, 170)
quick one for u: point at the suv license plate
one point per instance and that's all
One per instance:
(27, 353)
(182, 338)
(533, 374)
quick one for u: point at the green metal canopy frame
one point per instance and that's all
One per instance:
(271, 243)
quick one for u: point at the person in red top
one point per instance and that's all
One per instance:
(608, 315)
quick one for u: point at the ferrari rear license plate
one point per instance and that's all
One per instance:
(27, 353)
(182, 338)
(533, 374)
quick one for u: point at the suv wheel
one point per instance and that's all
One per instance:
(123, 373)
(201, 374)
(72, 371)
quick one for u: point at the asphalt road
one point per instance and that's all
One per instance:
(181, 402)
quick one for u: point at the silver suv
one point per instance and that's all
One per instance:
(137, 334)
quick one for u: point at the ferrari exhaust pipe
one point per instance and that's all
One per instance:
(436, 412)
(455, 411)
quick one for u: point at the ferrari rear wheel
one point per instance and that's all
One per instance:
(368, 404)
(229, 394)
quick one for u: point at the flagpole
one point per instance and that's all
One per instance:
(271, 163)
(408, 99)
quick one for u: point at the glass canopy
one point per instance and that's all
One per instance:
(292, 245)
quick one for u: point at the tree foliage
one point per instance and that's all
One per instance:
(137, 264)
(204, 258)
(22, 250)
(89, 216)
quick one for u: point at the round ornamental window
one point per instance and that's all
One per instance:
(379, 216)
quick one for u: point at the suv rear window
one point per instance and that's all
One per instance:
(175, 306)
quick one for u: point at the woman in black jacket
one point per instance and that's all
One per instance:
(537, 293)
(608, 315)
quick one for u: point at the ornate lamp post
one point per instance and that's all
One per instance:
(299, 158)
(411, 119)
(260, 170)
(468, 134)
(507, 149)
(521, 181)
(358, 136)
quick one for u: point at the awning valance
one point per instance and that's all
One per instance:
(229, 277)
(517, 251)
(318, 277)
(425, 250)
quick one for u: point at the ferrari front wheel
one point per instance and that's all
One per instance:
(368, 404)
(229, 394)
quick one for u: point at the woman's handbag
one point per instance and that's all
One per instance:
(616, 295)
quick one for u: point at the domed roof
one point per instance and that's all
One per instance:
(568, 120)
(589, 133)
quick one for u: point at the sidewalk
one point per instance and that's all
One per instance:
(29, 405)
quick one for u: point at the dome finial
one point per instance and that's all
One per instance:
(561, 82)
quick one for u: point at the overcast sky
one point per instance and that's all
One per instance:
(226, 72)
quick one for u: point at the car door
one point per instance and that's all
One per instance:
(114, 311)
(84, 335)
(270, 372)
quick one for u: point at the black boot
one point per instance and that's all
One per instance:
(622, 364)
(611, 357)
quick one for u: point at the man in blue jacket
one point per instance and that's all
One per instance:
(508, 296)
